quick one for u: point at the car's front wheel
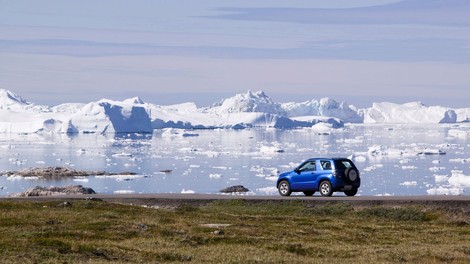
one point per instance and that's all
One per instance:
(284, 188)
(325, 188)
(351, 192)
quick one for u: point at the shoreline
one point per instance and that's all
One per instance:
(459, 203)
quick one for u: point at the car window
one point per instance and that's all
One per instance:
(325, 164)
(343, 164)
(309, 166)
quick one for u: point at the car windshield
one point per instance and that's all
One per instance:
(343, 164)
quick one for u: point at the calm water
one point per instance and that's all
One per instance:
(206, 161)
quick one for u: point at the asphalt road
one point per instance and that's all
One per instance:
(461, 203)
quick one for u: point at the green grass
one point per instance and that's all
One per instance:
(242, 232)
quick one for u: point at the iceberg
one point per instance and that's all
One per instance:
(325, 107)
(409, 113)
(244, 110)
(19, 116)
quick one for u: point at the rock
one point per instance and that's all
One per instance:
(93, 199)
(65, 204)
(142, 227)
(235, 189)
(219, 232)
(53, 222)
(59, 172)
(43, 191)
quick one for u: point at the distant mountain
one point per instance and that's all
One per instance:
(245, 110)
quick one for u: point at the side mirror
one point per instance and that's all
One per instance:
(297, 170)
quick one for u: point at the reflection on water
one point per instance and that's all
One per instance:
(393, 159)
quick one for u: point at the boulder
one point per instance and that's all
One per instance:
(235, 189)
(43, 191)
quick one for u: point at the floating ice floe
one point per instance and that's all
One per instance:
(459, 160)
(445, 191)
(267, 190)
(124, 191)
(457, 133)
(80, 179)
(436, 169)
(271, 149)
(121, 178)
(409, 183)
(360, 159)
(322, 128)
(373, 167)
(459, 179)
(187, 191)
(429, 151)
(19, 178)
(215, 176)
(441, 178)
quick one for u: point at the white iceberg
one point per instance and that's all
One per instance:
(245, 110)
(414, 113)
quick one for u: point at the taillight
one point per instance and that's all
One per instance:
(335, 173)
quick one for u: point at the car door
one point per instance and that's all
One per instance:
(324, 169)
(305, 176)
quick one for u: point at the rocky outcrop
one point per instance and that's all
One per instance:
(59, 172)
(235, 189)
(43, 191)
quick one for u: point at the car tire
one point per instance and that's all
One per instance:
(351, 192)
(309, 193)
(351, 175)
(284, 188)
(325, 188)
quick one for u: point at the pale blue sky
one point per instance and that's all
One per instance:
(55, 51)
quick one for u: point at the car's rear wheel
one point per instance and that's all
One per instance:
(284, 188)
(325, 188)
(351, 192)
(309, 193)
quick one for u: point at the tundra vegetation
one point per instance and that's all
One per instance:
(235, 231)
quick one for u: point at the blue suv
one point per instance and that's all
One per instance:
(326, 175)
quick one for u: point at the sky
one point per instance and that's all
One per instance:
(166, 52)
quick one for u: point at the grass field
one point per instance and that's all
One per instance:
(230, 232)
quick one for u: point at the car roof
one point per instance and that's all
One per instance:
(312, 159)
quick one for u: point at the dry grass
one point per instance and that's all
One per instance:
(288, 232)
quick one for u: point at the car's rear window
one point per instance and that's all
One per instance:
(343, 164)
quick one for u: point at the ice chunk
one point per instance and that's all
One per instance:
(267, 190)
(215, 176)
(457, 133)
(271, 149)
(409, 183)
(459, 179)
(414, 113)
(441, 178)
(124, 191)
(445, 191)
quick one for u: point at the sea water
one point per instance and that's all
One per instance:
(392, 159)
